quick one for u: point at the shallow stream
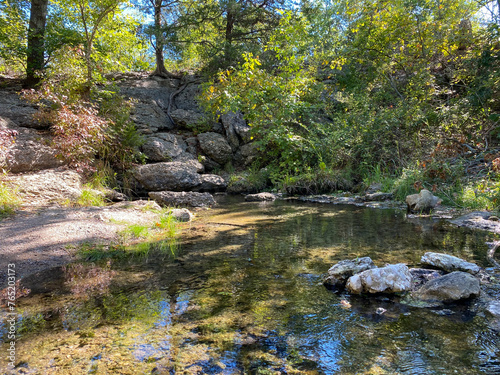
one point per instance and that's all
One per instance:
(243, 295)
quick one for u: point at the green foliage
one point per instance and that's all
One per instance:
(14, 15)
(281, 104)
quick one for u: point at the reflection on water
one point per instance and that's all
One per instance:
(245, 297)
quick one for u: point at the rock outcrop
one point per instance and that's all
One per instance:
(53, 185)
(185, 118)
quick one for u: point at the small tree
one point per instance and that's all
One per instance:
(88, 17)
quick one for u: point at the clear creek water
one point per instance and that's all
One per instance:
(243, 295)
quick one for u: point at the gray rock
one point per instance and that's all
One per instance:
(216, 147)
(246, 154)
(30, 155)
(379, 196)
(19, 111)
(192, 144)
(393, 278)
(454, 286)
(212, 183)
(424, 202)
(260, 197)
(166, 147)
(30, 150)
(173, 176)
(421, 276)
(149, 117)
(209, 164)
(192, 199)
(477, 220)
(232, 138)
(449, 263)
(493, 308)
(374, 188)
(340, 272)
(185, 118)
(238, 126)
(115, 196)
(181, 214)
(51, 185)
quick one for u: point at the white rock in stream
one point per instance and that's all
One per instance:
(393, 278)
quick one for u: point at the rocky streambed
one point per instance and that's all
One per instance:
(244, 294)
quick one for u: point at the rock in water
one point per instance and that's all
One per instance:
(260, 197)
(452, 287)
(424, 202)
(449, 263)
(340, 272)
(393, 278)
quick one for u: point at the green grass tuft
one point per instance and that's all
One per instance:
(9, 199)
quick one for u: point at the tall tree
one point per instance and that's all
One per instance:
(36, 36)
(160, 10)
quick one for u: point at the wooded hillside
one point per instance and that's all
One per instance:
(338, 94)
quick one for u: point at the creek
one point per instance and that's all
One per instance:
(242, 294)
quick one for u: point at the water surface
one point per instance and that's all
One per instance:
(243, 295)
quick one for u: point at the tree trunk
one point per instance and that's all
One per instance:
(230, 20)
(160, 70)
(35, 58)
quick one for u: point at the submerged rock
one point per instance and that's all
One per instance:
(424, 202)
(260, 197)
(393, 278)
(192, 199)
(340, 272)
(449, 263)
(452, 287)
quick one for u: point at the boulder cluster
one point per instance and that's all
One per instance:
(447, 278)
(183, 147)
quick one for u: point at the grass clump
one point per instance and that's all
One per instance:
(10, 199)
(316, 182)
(91, 197)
